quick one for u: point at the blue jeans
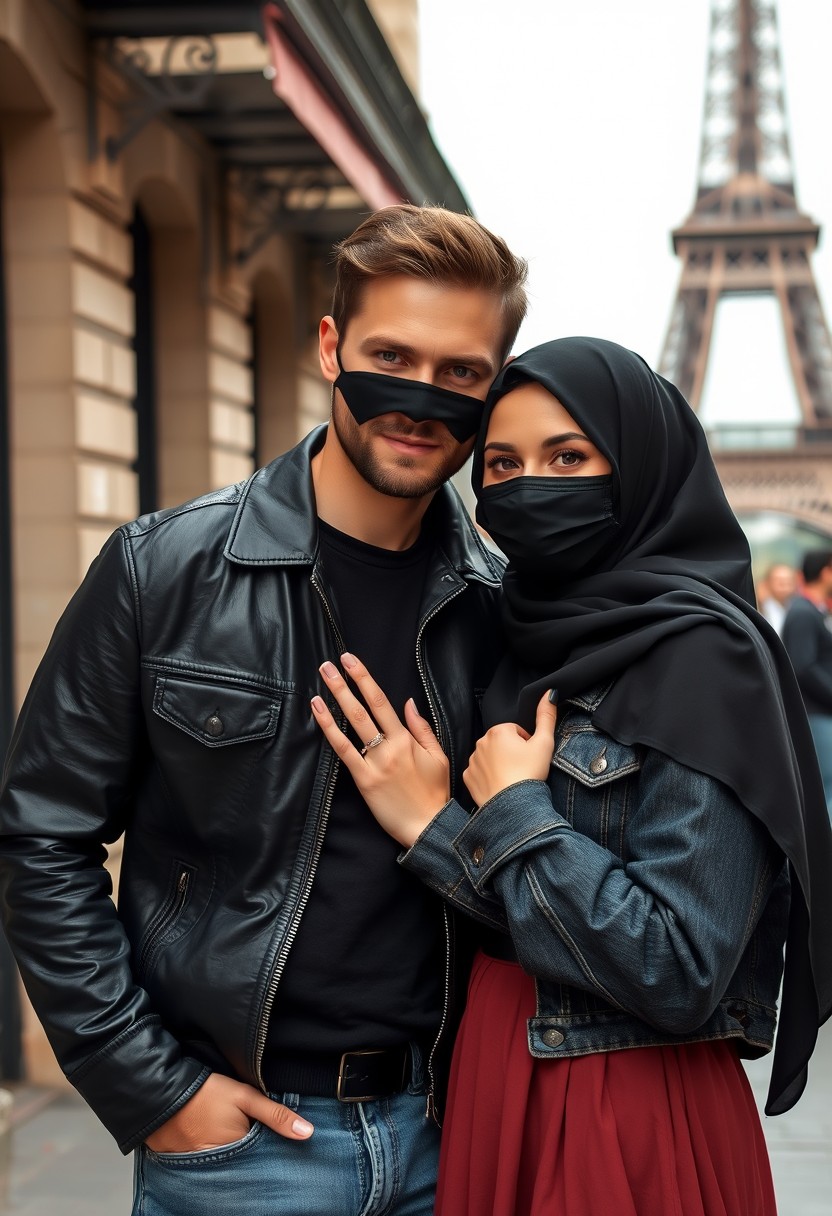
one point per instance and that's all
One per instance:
(821, 727)
(363, 1159)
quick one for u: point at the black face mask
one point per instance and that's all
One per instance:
(370, 394)
(551, 527)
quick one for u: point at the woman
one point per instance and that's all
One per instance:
(634, 864)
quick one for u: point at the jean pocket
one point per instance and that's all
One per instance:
(207, 1156)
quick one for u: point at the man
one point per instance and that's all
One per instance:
(266, 941)
(780, 586)
(807, 638)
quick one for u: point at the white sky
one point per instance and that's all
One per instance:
(574, 127)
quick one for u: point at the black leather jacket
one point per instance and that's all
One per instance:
(173, 706)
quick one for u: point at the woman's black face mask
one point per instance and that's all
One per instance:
(550, 527)
(370, 394)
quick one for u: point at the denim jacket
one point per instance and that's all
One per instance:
(647, 902)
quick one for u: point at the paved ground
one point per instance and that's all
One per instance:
(58, 1160)
(800, 1142)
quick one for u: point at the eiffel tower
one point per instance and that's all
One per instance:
(747, 235)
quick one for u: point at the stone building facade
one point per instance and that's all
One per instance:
(172, 178)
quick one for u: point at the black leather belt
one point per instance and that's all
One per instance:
(355, 1076)
(497, 945)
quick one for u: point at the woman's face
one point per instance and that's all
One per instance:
(530, 434)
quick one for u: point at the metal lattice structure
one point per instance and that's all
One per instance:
(746, 232)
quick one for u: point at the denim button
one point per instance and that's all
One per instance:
(214, 726)
(477, 855)
(599, 764)
(552, 1038)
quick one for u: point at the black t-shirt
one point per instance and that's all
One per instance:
(365, 968)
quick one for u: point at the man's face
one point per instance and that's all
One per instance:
(782, 583)
(440, 334)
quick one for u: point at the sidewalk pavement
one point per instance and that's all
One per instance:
(57, 1159)
(800, 1142)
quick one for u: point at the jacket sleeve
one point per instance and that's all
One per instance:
(67, 792)
(801, 637)
(659, 935)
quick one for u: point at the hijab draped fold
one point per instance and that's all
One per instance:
(667, 617)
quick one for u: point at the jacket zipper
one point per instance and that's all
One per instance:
(280, 962)
(421, 666)
(430, 1109)
(166, 919)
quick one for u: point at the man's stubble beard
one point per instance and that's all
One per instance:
(357, 446)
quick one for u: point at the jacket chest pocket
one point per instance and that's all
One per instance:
(592, 775)
(217, 715)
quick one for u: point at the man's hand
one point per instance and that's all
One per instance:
(405, 779)
(221, 1112)
(506, 754)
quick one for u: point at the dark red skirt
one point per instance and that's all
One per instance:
(652, 1131)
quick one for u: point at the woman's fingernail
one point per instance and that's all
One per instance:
(318, 705)
(329, 669)
(301, 1128)
(349, 660)
(553, 696)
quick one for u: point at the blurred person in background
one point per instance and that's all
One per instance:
(266, 1016)
(778, 590)
(807, 637)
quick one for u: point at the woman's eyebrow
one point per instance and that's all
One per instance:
(555, 439)
(551, 442)
(499, 447)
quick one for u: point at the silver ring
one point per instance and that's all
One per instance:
(374, 742)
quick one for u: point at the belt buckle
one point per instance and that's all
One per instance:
(344, 1079)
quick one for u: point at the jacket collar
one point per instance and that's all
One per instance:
(276, 523)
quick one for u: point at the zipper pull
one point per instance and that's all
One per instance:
(430, 1109)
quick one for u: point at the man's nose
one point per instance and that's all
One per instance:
(428, 373)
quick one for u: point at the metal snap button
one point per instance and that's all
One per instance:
(478, 855)
(599, 763)
(552, 1038)
(214, 726)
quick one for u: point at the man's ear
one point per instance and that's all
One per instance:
(328, 339)
(509, 359)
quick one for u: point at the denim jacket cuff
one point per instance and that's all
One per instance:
(431, 857)
(520, 817)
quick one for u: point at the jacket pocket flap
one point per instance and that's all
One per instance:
(216, 714)
(594, 759)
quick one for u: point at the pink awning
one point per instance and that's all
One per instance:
(297, 87)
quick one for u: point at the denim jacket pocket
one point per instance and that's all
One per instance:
(594, 759)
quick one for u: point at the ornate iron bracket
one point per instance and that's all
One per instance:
(278, 202)
(163, 88)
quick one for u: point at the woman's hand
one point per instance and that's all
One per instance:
(507, 754)
(404, 777)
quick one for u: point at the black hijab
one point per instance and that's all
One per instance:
(667, 614)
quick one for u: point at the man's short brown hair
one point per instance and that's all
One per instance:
(429, 243)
